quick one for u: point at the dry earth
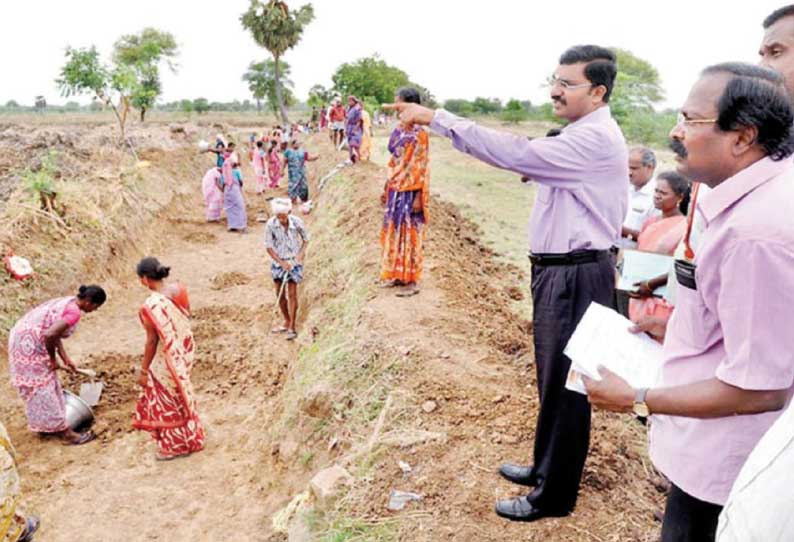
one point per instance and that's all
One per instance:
(459, 400)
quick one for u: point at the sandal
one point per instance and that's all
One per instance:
(408, 293)
(291, 336)
(280, 329)
(85, 438)
(32, 524)
(160, 457)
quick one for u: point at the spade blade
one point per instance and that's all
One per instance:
(91, 392)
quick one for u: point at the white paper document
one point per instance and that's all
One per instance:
(639, 266)
(602, 338)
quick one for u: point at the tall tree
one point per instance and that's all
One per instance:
(278, 29)
(84, 73)
(142, 54)
(371, 77)
(319, 96)
(637, 87)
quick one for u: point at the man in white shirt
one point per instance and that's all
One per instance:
(642, 163)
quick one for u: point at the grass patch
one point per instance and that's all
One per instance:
(348, 529)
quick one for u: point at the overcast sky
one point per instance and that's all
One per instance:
(500, 48)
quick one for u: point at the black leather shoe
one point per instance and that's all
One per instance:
(517, 474)
(520, 509)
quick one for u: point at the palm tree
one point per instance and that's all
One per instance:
(277, 29)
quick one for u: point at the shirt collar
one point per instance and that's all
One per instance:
(599, 115)
(733, 189)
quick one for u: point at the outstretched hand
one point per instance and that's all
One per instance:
(410, 114)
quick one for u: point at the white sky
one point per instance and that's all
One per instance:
(501, 48)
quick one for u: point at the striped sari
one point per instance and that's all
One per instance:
(403, 233)
(167, 405)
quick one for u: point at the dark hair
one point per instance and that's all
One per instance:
(152, 269)
(756, 97)
(680, 185)
(775, 16)
(601, 68)
(647, 156)
(93, 293)
(409, 95)
(259, 144)
(231, 144)
(554, 132)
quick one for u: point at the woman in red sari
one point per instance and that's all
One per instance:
(167, 405)
(661, 234)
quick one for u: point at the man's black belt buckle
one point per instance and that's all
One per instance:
(685, 274)
(571, 258)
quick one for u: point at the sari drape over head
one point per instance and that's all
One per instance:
(213, 197)
(233, 201)
(404, 230)
(167, 405)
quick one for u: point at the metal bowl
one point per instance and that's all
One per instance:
(79, 415)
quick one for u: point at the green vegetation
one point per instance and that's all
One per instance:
(137, 58)
(348, 529)
(515, 112)
(41, 182)
(277, 29)
(261, 79)
(373, 80)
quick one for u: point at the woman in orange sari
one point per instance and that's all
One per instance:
(405, 195)
(661, 234)
(167, 406)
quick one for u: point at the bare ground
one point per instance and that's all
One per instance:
(460, 353)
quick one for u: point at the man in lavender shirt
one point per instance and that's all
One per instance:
(581, 201)
(729, 349)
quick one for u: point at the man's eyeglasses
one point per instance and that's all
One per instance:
(682, 120)
(554, 81)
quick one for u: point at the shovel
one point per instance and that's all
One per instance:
(90, 392)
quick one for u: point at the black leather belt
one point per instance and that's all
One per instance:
(576, 257)
(685, 274)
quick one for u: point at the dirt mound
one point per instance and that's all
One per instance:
(200, 237)
(119, 373)
(229, 279)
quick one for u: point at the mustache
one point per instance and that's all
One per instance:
(678, 148)
(559, 99)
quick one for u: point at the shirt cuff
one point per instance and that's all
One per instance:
(442, 122)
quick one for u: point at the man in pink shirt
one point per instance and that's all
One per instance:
(582, 178)
(729, 350)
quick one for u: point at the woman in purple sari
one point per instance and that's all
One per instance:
(233, 202)
(354, 128)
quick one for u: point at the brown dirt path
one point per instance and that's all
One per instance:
(113, 489)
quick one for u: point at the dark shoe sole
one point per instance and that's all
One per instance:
(530, 518)
(521, 481)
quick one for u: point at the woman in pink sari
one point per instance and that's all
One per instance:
(274, 164)
(34, 344)
(167, 406)
(661, 235)
(213, 194)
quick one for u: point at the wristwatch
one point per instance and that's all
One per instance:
(640, 407)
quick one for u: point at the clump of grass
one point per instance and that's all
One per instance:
(41, 182)
(350, 529)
